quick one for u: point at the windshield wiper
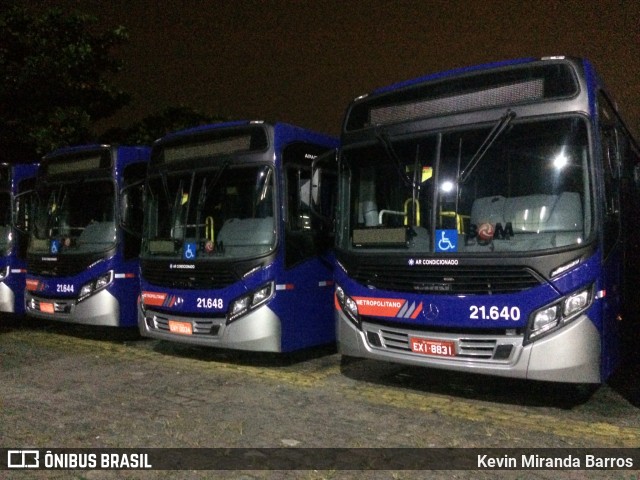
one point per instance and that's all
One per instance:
(383, 138)
(414, 183)
(214, 181)
(495, 132)
(202, 197)
(53, 210)
(177, 210)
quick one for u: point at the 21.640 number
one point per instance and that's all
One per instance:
(482, 312)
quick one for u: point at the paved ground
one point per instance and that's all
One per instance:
(78, 387)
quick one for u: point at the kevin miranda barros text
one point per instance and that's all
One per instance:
(568, 461)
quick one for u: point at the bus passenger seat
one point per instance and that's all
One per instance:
(545, 213)
(245, 235)
(488, 210)
(531, 213)
(98, 232)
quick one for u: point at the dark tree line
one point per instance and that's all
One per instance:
(56, 82)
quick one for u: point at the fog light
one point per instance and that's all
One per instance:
(374, 339)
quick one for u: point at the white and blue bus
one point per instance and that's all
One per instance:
(14, 179)
(232, 255)
(81, 266)
(488, 221)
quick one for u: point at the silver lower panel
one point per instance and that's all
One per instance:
(99, 309)
(259, 331)
(571, 355)
(7, 299)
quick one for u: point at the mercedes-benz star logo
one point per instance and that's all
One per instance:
(431, 312)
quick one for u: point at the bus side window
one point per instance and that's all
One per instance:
(299, 233)
(611, 190)
(611, 171)
(609, 139)
(132, 208)
(630, 195)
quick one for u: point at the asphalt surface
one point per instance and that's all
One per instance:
(80, 387)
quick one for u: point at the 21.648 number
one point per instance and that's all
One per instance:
(208, 302)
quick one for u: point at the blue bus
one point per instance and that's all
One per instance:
(14, 179)
(81, 267)
(488, 223)
(232, 255)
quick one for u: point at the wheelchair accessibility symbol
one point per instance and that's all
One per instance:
(446, 240)
(55, 247)
(189, 252)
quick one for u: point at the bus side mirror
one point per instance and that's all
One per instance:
(324, 183)
(636, 176)
(22, 211)
(131, 208)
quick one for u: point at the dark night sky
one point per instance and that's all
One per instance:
(302, 61)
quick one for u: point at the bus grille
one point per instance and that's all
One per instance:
(490, 346)
(459, 280)
(203, 276)
(63, 266)
(59, 306)
(201, 326)
(476, 348)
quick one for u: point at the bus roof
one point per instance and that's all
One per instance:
(278, 126)
(495, 85)
(75, 149)
(228, 124)
(463, 71)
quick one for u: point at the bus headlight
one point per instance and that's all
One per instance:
(241, 306)
(552, 317)
(576, 303)
(545, 319)
(96, 285)
(348, 305)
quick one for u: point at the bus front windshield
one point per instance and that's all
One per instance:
(469, 191)
(74, 218)
(226, 212)
(5, 222)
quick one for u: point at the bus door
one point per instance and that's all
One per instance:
(307, 312)
(620, 253)
(22, 210)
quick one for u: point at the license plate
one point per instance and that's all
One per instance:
(182, 328)
(47, 307)
(426, 346)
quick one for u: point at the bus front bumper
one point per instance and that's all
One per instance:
(258, 331)
(101, 309)
(7, 299)
(570, 355)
